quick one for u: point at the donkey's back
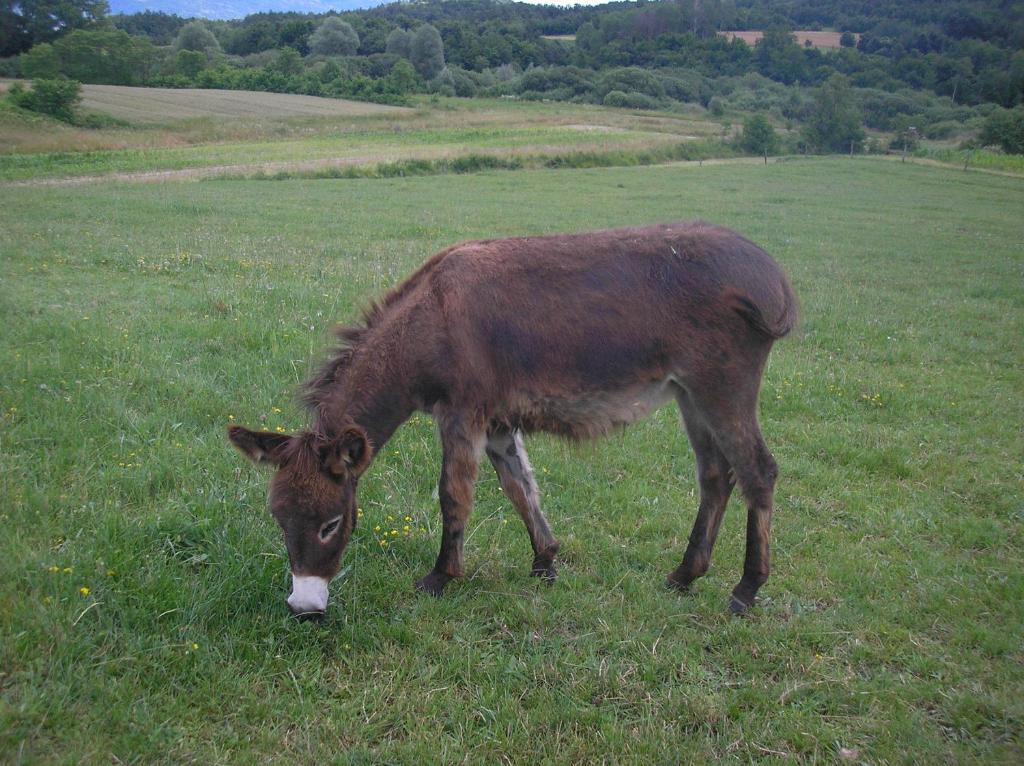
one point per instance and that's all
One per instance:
(578, 334)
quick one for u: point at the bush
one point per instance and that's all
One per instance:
(944, 129)
(630, 80)
(632, 100)
(758, 136)
(454, 82)
(716, 106)
(1004, 129)
(559, 82)
(686, 86)
(57, 98)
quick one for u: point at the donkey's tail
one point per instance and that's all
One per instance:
(775, 312)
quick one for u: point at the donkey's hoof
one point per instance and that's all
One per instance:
(737, 606)
(679, 582)
(544, 568)
(433, 583)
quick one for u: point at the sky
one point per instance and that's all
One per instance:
(233, 9)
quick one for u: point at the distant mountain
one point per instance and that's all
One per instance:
(237, 9)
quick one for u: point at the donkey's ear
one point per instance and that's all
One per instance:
(349, 453)
(259, 446)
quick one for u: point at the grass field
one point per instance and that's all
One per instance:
(162, 105)
(142, 582)
(38, 149)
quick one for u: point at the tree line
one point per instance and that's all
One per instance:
(936, 65)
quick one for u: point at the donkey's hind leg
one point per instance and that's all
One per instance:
(714, 475)
(731, 415)
(508, 456)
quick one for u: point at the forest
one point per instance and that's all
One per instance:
(942, 67)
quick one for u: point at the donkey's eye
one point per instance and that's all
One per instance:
(329, 528)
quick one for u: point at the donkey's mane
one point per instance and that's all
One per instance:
(330, 373)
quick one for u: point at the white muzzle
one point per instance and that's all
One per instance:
(309, 594)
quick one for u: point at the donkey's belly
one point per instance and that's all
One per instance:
(588, 413)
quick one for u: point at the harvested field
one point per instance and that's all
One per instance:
(817, 39)
(161, 105)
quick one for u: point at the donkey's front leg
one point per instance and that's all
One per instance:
(462, 445)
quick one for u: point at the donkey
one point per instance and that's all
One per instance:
(574, 335)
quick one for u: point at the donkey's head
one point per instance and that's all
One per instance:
(313, 498)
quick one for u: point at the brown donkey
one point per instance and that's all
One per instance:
(575, 335)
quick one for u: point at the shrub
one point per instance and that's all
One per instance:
(57, 98)
(456, 82)
(10, 67)
(560, 83)
(630, 80)
(632, 100)
(1004, 129)
(944, 129)
(759, 136)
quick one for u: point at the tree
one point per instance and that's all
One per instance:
(196, 36)
(1005, 129)
(778, 56)
(847, 40)
(399, 43)
(189, 63)
(427, 51)
(106, 57)
(834, 124)
(287, 61)
(402, 78)
(759, 136)
(334, 37)
(27, 22)
(41, 62)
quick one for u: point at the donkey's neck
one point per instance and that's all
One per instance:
(368, 393)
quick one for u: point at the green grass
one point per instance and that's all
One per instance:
(34, 148)
(140, 320)
(977, 158)
(358, 146)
